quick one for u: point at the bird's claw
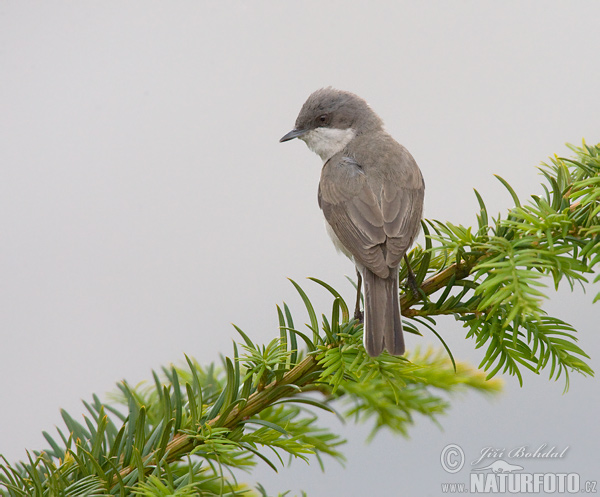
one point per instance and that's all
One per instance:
(411, 280)
(411, 283)
(359, 315)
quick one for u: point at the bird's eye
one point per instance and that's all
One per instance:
(323, 118)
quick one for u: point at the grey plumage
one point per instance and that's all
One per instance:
(371, 194)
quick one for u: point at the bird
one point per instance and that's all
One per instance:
(371, 193)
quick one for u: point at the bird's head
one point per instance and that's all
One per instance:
(330, 119)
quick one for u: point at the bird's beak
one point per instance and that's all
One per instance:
(295, 133)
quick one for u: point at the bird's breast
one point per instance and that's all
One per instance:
(336, 241)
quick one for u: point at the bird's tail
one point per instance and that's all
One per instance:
(383, 325)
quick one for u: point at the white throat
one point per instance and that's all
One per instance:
(326, 142)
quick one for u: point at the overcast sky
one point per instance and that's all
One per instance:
(145, 202)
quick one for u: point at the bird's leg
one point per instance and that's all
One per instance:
(358, 315)
(411, 280)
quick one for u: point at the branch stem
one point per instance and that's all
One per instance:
(298, 376)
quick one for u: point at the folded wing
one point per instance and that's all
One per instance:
(376, 223)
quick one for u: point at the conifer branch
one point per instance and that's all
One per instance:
(176, 436)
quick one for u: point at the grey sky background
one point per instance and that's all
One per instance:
(145, 202)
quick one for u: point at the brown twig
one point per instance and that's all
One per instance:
(299, 375)
(183, 443)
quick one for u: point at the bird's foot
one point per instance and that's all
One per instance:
(411, 283)
(411, 280)
(359, 315)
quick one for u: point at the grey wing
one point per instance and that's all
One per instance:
(402, 208)
(353, 212)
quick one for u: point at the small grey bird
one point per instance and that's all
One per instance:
(371, 193)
